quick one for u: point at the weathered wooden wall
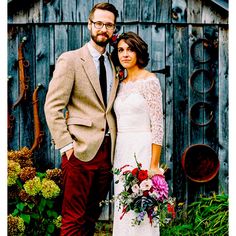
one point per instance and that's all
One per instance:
(52, 27)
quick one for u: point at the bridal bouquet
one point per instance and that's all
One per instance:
(144, 194)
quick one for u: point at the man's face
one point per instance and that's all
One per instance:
(101, 35)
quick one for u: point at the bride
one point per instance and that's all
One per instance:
(138, 108)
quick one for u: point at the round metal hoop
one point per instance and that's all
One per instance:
(195, 74)
(196, 107)
(206, 44)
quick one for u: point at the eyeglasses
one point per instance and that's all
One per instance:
(99, 25)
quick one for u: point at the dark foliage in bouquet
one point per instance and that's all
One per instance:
(33, 197)
(145, 195)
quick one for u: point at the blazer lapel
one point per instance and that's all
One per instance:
(114, 87)
(90, 70)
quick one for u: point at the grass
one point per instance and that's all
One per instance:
(103, 228)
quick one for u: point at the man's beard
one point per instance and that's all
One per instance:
(100, 43)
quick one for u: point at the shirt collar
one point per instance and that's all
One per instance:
(94, 53)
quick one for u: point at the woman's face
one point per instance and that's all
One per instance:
(127, 57)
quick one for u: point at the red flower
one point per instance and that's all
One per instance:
(121, 74)
(142, 175)
(123, 167)
(145, 193)
(135, 172)
(171, 209)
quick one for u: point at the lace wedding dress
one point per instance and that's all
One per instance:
(138, 109)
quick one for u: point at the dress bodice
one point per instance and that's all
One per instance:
(138, 108)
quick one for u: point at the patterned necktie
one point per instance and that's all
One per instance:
(103, 79)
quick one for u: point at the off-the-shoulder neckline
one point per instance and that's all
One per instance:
(138, 80)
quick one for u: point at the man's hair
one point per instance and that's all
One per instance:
(104, 6)
(137, 44)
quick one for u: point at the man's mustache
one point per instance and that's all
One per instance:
(104, 34)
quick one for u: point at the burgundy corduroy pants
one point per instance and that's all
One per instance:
(85, 185)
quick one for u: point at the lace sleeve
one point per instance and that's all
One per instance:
(153, 95)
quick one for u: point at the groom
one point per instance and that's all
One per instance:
(84, 84)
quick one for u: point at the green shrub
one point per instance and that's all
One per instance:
(34, 198)
(206, 216)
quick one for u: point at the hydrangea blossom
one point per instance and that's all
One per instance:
(49, 188)
(33, 186)
(13, 172)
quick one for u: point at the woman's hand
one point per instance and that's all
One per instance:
(155, 171)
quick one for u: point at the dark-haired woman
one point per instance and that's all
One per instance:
(138, 108)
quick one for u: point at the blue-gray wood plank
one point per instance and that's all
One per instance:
(195, 131)
(25, 108)
(13, 85)
(223, 110)
(180, 111)
(42, 76)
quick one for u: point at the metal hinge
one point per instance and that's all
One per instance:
(165, 71)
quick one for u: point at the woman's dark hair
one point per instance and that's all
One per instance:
(104, 6)
(137, 45)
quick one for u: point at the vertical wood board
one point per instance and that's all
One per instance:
(180, 113)
(13, 85)
(169, 105)
(147, 11)
(25, 107)
(194, 11)
(68, 11)
(223, 110)
(51, 11)
(163, 11)
(42, 77)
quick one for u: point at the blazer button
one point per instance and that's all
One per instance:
(102, 129)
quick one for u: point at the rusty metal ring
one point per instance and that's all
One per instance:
(194, 75)
(196, 107)
(207, 44)
(200, 163)
(26, 63)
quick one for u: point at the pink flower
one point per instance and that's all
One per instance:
(146, 184)
(135, 188)
(160, 186)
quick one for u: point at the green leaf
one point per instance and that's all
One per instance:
(35, 216)
(26, 218)
(51, 228)
(51, 213)
(20, 206)
(42, 205)
(15, 212)
(19, 183)
(31, 205)
(40, 175)
(50, 203)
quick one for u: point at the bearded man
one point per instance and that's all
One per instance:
(84, 84)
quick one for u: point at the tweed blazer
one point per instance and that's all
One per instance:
(75, 87)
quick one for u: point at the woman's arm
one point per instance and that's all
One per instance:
(153, 96)
(155, 159)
